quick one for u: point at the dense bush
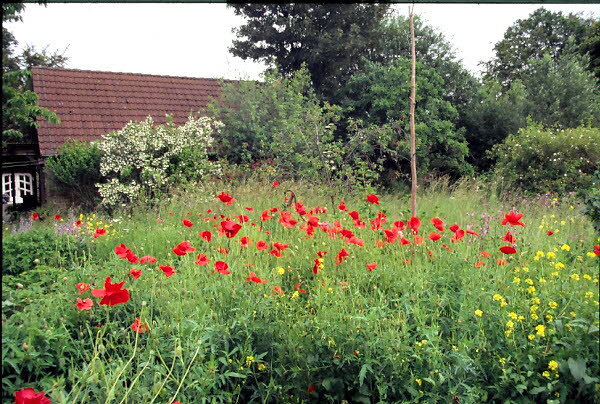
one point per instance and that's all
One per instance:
(76, 171)
(542, 160)
(23, 251)
(283, 122)
(591, 199)
(142, 161)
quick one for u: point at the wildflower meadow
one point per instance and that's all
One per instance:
(248, 293)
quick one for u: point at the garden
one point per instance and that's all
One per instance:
(270, 248)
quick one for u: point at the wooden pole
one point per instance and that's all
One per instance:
(413, 95)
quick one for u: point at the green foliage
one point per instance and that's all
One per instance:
(380, 96)
(591, 47)
(282, 122)
(76, 170)
(23, 251)
(331, 39)
(543, 33)
(591, 200)
(542, 160)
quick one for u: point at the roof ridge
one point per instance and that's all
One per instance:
(128, 73)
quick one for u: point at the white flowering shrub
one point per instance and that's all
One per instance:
(142, 161)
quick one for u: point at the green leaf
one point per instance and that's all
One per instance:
(234, 374)
(537, 390)
(577, 368)
(363, 372)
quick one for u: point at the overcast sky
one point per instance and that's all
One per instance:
(193, 39)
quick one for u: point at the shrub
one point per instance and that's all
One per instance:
(23, 251)
(591, 199)
(542, 160)
(142, 161)
(76, 170)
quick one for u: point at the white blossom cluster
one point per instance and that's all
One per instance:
(138, 159)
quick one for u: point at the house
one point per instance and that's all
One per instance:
(89, 105)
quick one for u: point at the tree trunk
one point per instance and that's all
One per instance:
(413, 147)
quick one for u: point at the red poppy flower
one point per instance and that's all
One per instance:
(399, 224)
(501, 261)
(221, 267)
(278, 290)
(371, 266)
(35, 216)
(300, 208)
(249, 209)
(230, 229)
(286, 220)
(437, 223)
(275, 184)
(131, 257)
(147, 258)
(255, 279)
(374, 199)
(311, 389)
(57, 217)
(434, 236)
(85, 304)
(597, 250)
(298, 288)
(485, 254)
(245, 242)
(261, 245)
(509, 238)
(99, 233)
(418, 240)
(508, 249)
(159, 220)
(29, 396)
(78, 223)
(135, 273)
(122, 251)
(479, 264)
(458, 235)
(187, 223)
(513, 218)
(313, 221)
(280, 246)
(355, 240)
(225, 198)
(341, 256)
(183, 248)
(201, 259)
(82, 287)
(454, 228)
(549, 232)
(275, 253)
(138, 326)
(112, 294)
(391, 235)
(264, 216)
(354, 215)
(404, 241)
(167, 270)
(206, 235)
(342, 205)
(474, 233)
(414, 223)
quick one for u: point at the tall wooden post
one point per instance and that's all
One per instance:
(413, 147)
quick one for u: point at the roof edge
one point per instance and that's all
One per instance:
(131, 74)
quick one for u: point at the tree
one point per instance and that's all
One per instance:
(543, 32)
(20, 109)
(380, 96)
(332, 39)
(591, 47)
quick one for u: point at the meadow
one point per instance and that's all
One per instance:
(242, 294)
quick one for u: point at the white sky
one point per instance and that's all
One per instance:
(193, 39)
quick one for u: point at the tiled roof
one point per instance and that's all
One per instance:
(90, 103)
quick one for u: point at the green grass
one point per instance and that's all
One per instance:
(405, 332)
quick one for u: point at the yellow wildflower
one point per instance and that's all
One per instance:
(559, 265)
(575, 277)
(280, 271)
(478, 313)
(589, 295)
(529, 281)
(553, 365)
(261, 366)
(512, 315)
(551, 255)
(540, 330)
(546, 374)
(531, 337)
(419, 381)
(586, 276)
(516, 280)
(553, 305)
(565, 247)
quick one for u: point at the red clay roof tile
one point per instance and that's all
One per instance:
(90, 103)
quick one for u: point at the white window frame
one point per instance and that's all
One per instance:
(24, 186)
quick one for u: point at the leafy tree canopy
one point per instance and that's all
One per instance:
(20, 109)
(543, 32)
(332, 39)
